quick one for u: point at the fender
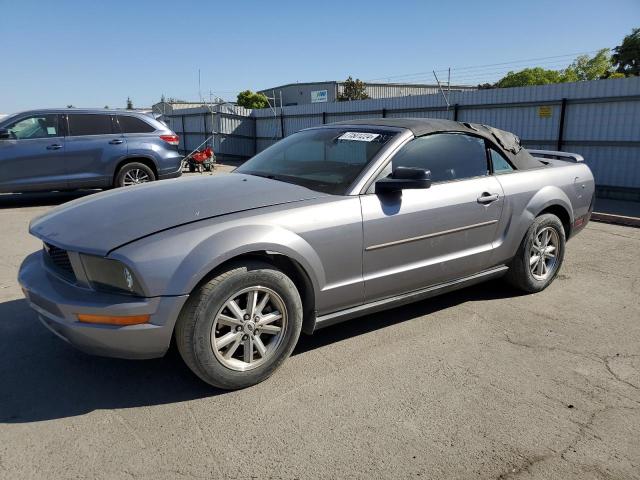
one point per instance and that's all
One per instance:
(216, 249)
(132, 156)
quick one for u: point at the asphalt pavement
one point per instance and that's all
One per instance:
(480, 383)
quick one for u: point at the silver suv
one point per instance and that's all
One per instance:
(70, 149)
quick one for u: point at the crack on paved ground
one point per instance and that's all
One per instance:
(583, 430)
(589, 356)
(525, 467)
(615, 234)
(204, 438)
(591, 268)
(606, 361)
(129, 428)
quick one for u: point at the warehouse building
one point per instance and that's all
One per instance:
(323, 92)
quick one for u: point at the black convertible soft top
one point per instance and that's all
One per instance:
(507, 141)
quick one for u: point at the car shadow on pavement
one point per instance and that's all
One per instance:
(40, 199)
(492, 290)
(42, 378)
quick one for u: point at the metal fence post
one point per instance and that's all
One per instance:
(563, 109)
(255, 135)
(281, 123)
(184, 133)
(455, 112)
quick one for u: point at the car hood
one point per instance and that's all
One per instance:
(102, 222)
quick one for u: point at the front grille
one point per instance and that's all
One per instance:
(59, 261)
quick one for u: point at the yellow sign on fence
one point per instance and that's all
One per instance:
(545, 111)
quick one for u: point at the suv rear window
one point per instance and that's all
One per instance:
(134, 125)
(89, 124)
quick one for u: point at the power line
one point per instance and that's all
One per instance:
(474, 67)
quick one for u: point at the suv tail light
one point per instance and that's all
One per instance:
(171, 139)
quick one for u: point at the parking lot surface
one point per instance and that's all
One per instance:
(481, 383)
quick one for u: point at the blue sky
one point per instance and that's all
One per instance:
(92, 54)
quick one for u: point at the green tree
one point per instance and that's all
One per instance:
(129, 104)
(353, 90)
(590, 68)
(530, 76)
(70, 106)
(626, 56)
(249, 99)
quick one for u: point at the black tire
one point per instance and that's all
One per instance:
(192, 167)
(130, 167)
(520, 274)
(195, 322)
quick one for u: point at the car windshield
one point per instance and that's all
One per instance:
(325, 159)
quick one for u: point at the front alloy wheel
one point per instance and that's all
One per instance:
(239, 327)
(249, 328)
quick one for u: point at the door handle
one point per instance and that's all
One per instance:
(116, 141)
(55, 146)
(488, 198)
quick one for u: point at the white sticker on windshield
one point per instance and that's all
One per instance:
(359, 136)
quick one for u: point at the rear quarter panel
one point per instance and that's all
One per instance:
(529, 192)
(150, 146)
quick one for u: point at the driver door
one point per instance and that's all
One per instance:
(33, 158)
(417, 238)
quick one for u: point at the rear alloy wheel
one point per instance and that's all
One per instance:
(543, 253)
(238, 328)
(134, 174)
(540, 255)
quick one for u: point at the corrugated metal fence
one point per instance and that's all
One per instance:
(232, 127)
(599, 119)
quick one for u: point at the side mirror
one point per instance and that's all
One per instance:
(4, 134)
(404, 178)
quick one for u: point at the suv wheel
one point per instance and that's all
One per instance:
(540, 255)
(238, 328)
(134, 174)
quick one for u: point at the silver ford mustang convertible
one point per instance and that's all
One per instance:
(328, 224)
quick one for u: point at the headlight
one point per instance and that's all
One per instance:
(110, 275)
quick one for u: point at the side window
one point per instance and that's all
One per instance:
(37, 126)
(449, 156)
(134, 125)
(500, 164)
(89, 124)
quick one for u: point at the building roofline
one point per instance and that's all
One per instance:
(295, 84)
(373, 84)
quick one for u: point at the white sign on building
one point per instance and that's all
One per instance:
(318, 96)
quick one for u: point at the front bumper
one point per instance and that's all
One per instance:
(57, 302)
